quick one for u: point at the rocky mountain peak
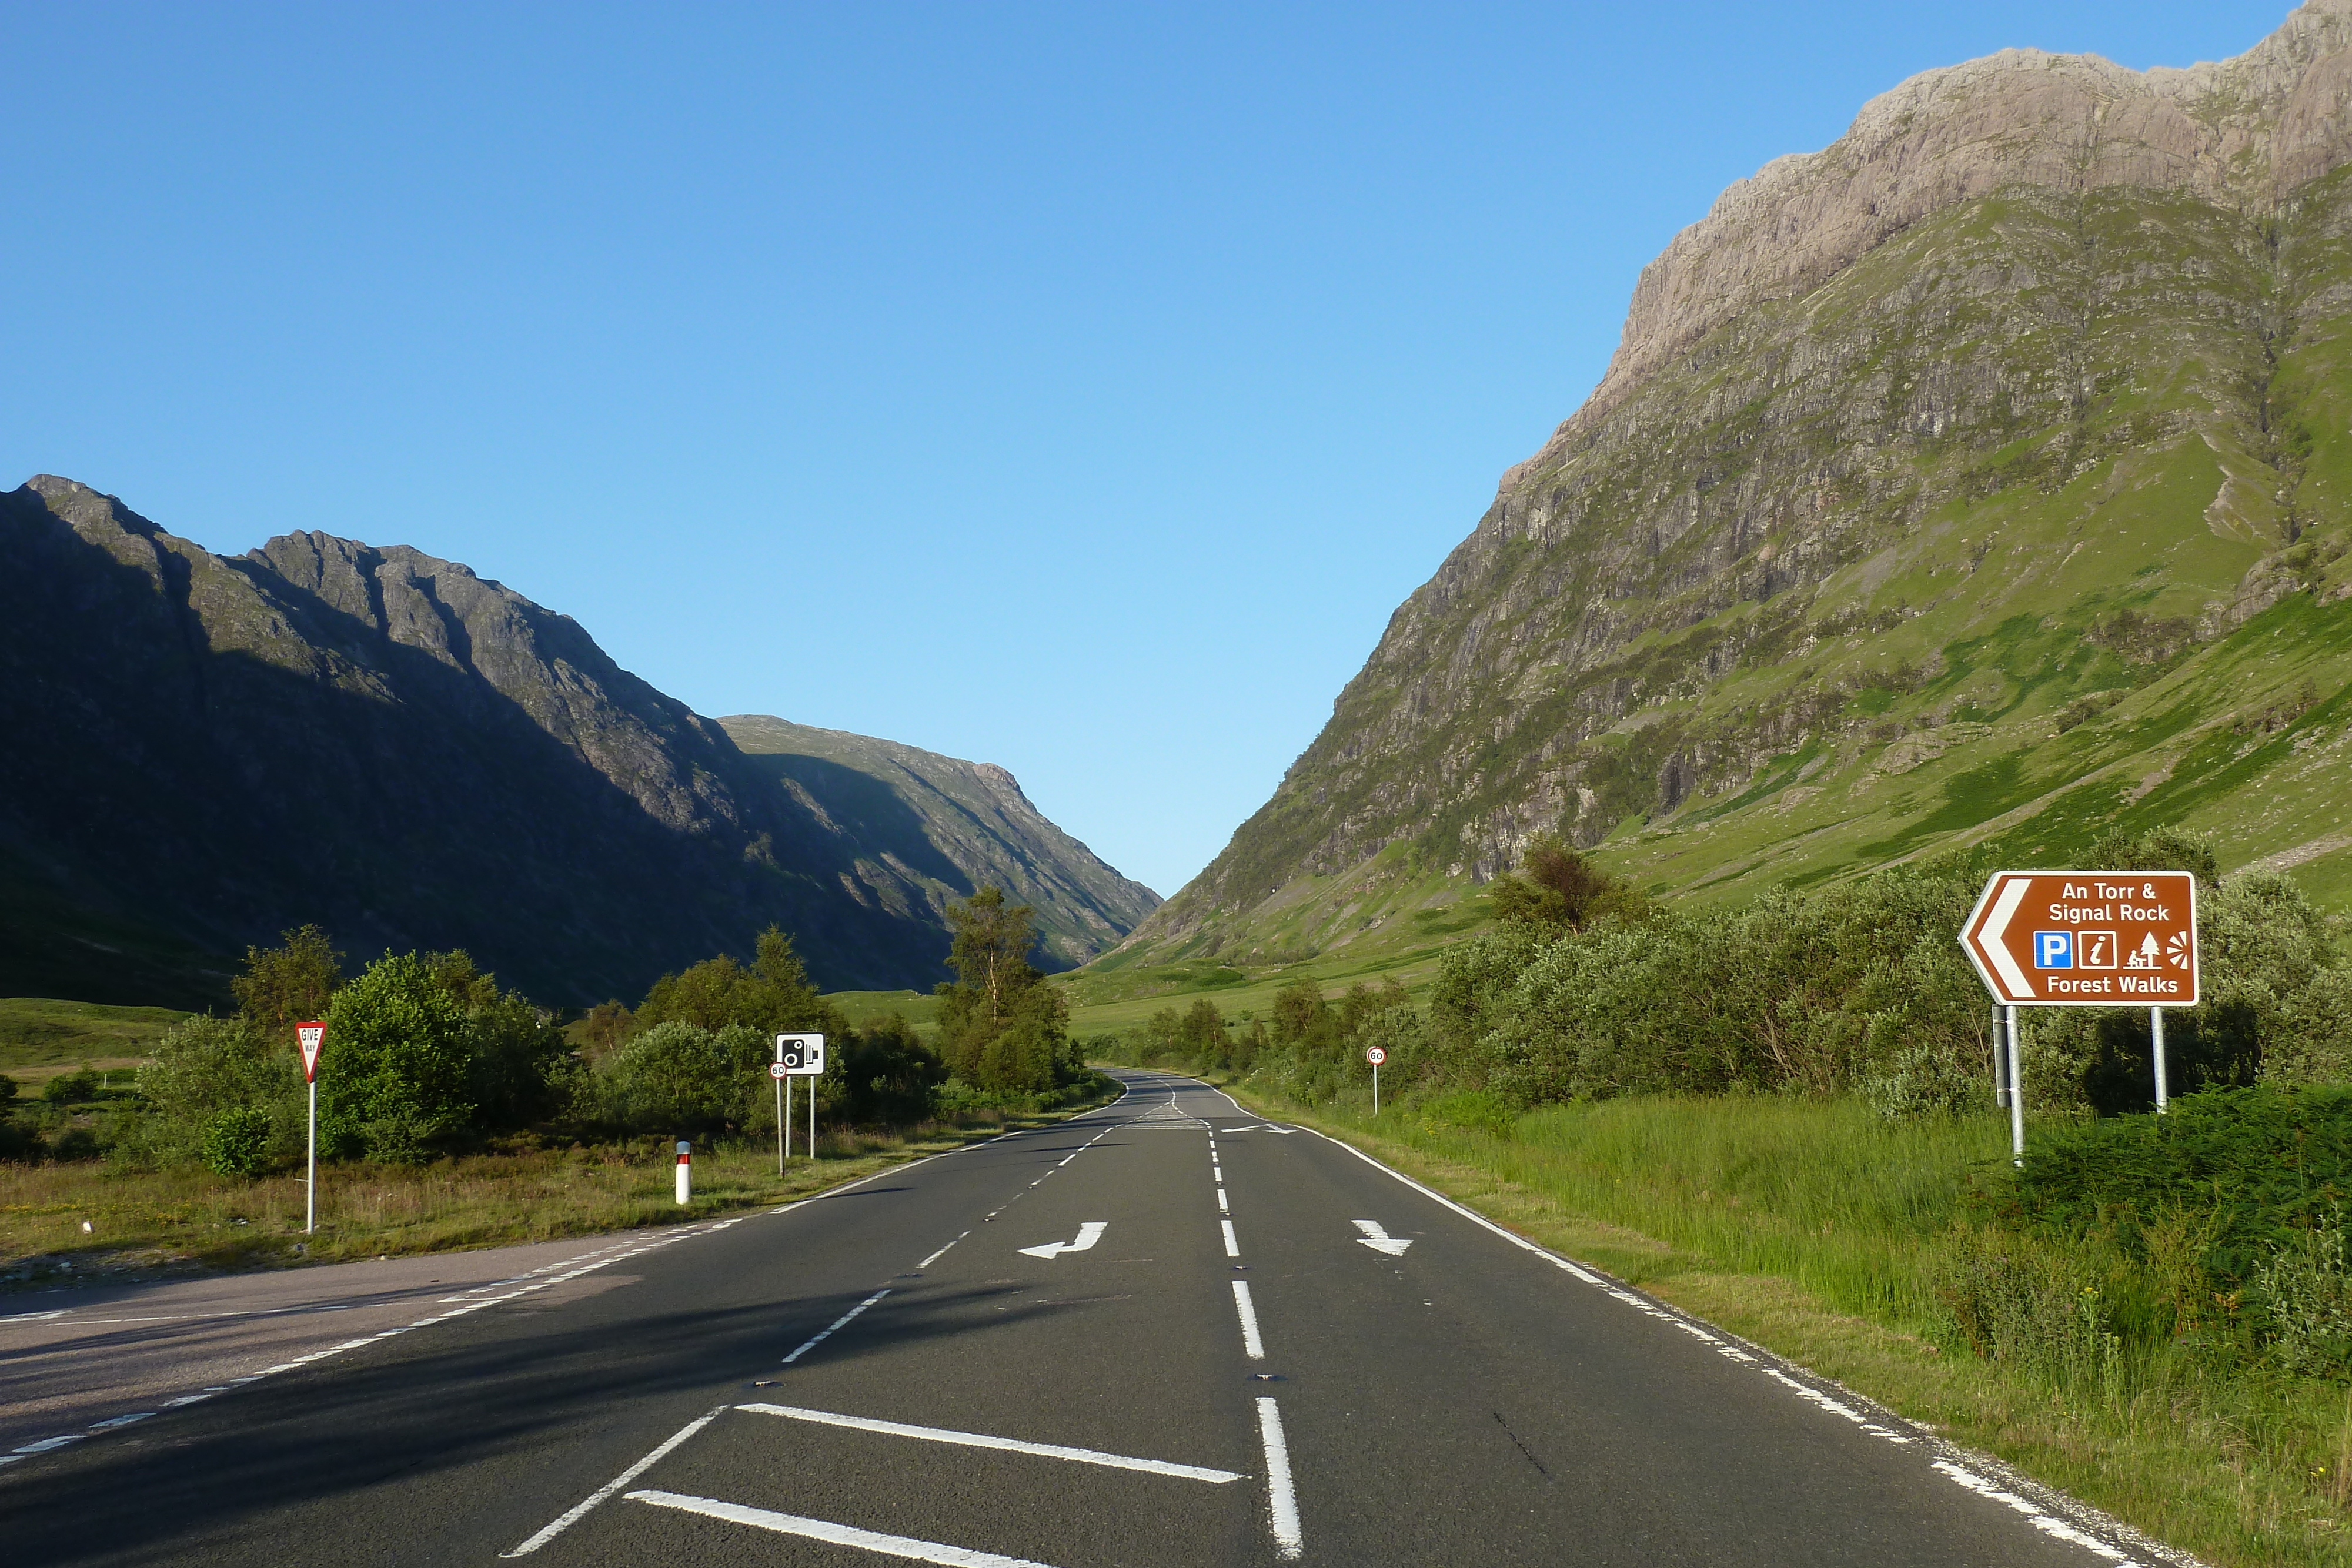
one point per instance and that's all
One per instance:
(2246, 132)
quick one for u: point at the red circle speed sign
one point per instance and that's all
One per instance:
(778, 1070)
(1375, 1055)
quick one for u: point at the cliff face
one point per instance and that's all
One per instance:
(203, 750)
(1914, 437)
(933, 828)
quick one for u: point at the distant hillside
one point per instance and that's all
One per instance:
(939, 828)
(1986, 476)
(201, 750)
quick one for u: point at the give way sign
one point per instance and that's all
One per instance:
(310, 1037)
(2086, 938)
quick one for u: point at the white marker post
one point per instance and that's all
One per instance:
(312, 1037)
(1375, 1055)
(776, 1071)
(684, 1172)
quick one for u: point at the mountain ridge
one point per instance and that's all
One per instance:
(1905, 436)
(206, 749)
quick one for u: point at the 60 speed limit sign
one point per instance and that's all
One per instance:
(1375, 1055)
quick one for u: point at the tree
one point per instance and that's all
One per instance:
(1557, 888)
(773, 994)
(1002, 1028)
(397, 1065)
(210, 1066)
(886, 1073)
(282, 987)
(680, 1077)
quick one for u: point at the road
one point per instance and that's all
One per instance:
(1166, 1333)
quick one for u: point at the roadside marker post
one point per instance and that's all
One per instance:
(684, 1172)
(797, 1056)
(312, 1037)
(1375, 1055)
(2084, 939)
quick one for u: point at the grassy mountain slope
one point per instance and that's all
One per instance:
(933, 828)
(2024, 516)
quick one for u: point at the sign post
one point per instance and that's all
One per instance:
(1375, 1055)
(797, 1056)
(776, 1071)
(2084, 939)
(312, 1037)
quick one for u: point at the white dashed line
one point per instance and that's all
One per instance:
(840, 1322)
(1281, 1499)
(1251, 1347)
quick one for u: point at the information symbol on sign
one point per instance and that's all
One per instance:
(2053, 949)
(2096, 949)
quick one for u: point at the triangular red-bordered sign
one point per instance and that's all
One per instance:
(311, 1036)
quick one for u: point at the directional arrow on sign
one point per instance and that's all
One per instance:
(1379, 1241)
(1089, 1234)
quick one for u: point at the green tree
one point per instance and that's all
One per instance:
(680, 1078)
(887, 1074)
(397, 1063)
(1002, 1028)
(1557, 888)
(773, 994)
(208, 1066)
(284, 986)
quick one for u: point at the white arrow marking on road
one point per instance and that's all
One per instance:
(1089, 1234)
(1378, 1239)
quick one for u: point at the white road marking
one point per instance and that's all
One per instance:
(1378, 1239)
(939, 1254)
(1222, 1207)
(615, 1484)
(2042, 1520)
(1251, 1347)
(2048, 1524)
(1281, 1500)
(905, 1546)
(1010, 1445)
(838, 1322)
(1089, 1234)
(1232, 1247)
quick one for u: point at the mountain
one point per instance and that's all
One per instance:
(939, 828)
(202, 750)
(1983, 477)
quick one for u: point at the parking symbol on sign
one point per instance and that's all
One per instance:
(2053, 949)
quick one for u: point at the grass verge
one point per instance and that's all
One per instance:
(165, 1224)
(1826, 1234)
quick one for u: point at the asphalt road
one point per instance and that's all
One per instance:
(1253, 1345)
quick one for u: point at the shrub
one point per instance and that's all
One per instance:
(236, 1142)
(397, 1065)
(678, 1078)
(209, 1065)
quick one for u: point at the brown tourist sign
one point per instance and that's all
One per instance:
(2086, 938)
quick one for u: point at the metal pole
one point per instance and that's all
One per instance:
(786, 1121)
(812, 1118)
(1376, 1088)
(2016, 1095)
(310, 1183)
(780, 1127)
(2156, 1029)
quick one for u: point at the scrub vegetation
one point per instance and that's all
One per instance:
(472, 1115)
(1781, 1115)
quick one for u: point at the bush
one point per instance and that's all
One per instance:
(396, 1066)
(71, 1088)
(680, 1078)
(207, 1066)
(236, 1142)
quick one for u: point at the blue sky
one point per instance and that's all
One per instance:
(1076, 388)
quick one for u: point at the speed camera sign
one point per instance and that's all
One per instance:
(801, 1055)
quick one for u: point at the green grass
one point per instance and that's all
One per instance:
(146, 1223)
(920, 1008)
(1832, 1237)
(40, 1033)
